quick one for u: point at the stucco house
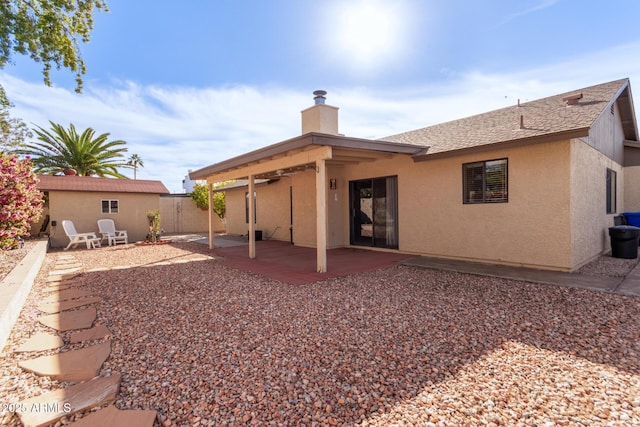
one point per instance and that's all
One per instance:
(535, 184)
(85, 200)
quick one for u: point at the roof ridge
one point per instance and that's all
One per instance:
(509, 107)
(543, 117)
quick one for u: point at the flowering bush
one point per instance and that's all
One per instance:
(20, 201)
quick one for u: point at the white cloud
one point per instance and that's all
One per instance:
(174, 129)
(535, 8)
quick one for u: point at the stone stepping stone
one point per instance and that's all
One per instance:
(64, 281)
(71, 263)
(40, 342)
(112, 416)
(56, 307)
(96, 333)
(49, 407)
(58, 277)
(58, 288)
(73, 365)
(64, 271)
(66, 294)
(77, 281)
(66, 321)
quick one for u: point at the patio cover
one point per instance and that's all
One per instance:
(312, 150)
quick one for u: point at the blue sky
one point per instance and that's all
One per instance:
(196, 83)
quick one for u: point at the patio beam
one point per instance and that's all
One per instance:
(288, 161)
(321, 215)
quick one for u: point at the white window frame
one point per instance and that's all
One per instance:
(110, 208)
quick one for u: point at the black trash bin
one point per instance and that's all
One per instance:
(624, 241)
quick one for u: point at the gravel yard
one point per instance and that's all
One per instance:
(9, 259)
(207, 345)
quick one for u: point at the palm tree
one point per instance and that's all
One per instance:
(61, 149)
(134, 162)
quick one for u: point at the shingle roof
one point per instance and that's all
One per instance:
(543, 117)
(90, 183)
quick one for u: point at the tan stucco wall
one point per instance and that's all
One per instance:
(321, 118)
(34, 231)
(531, 229)
(179, 214)
(337, 206)
(304, 208)
(555, 218)
(273, 209)
(632, 188)
(85, 209)
(235, 215)
(589, 219)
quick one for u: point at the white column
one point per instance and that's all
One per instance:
(211, 218)
(252, 234)
(321, 216)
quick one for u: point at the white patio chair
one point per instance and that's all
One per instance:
(92, 241)
(108, 230)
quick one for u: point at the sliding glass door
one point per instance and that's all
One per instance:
(374, 212)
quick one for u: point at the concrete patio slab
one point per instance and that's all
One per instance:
(66, 321)
(66, 294)
(73, 365)
(631, 284)
(97, 333)
(49, 407)
(297, 265)
(112, 416)
(40, 341)
(56, 307)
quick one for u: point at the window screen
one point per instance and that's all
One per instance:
(485, 182)
(110, 206)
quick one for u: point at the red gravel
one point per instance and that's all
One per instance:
(207, 345)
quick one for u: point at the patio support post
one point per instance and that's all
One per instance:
(251, 203)
(321, 215)
(212, 230)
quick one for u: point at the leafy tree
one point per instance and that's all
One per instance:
(64, 149)
(49, 32)
(200, 195)
(20, 201)
(13, 131)
(134, 162)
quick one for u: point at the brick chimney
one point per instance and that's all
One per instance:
(321, 118)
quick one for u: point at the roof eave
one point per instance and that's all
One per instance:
(538, 139)
(627, 112)
(299, 142)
